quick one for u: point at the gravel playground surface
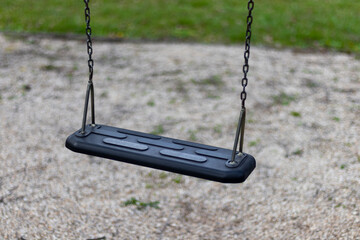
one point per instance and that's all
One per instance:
(303, 128)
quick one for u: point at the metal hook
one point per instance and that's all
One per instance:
(89, 90)
(238, 136)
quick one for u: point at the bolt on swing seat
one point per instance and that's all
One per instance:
(174, 155)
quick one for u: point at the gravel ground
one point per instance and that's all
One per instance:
(302, 127)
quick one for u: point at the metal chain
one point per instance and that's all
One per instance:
(89, 42)
(90, 86)
(239, 136)
(244, 81)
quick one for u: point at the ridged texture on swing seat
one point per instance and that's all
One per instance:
(159, 152)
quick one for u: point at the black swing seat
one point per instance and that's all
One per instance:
(162, 153)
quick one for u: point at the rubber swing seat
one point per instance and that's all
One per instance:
(179, 156)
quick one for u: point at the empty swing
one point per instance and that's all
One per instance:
(174, 155)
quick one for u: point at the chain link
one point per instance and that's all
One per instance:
(89, 42)
(90, 87)
(244, 81)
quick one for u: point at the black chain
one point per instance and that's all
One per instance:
(89, 42)
(244, 81)
(90, 87)
(239, 136)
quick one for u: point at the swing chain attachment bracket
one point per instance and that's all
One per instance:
(89, 90)
(237, 157)
(90, 86)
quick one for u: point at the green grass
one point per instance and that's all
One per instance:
(177, 179)
(298, 23)
(141, 205)
(283, 99)
(215, 81)
(151, 103)
(336, 119)
(295, 114)
(158, 130)
(298, 152)
(254, 143)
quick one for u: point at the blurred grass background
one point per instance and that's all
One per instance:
(303, 24)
